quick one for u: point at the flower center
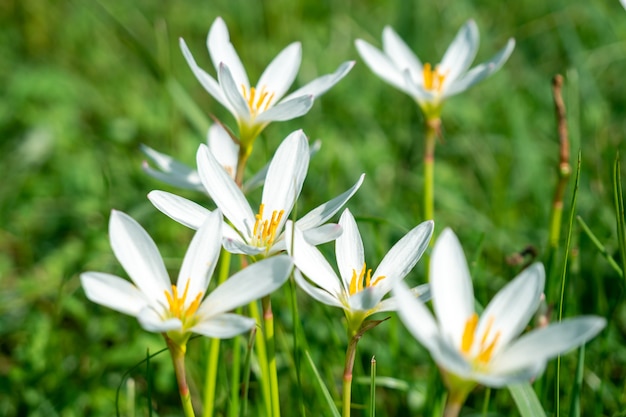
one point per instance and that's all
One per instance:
(433, 79)
(264, 231)
(258, 101)
(176, 303)
(363, 280)
(487, 341)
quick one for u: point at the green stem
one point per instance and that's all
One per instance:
(233, 411)
(347, 371)
(262, 358)
(296, 342)
(178, 357)
(246, 375)
(433, 129)
(214, 349)
(268, 321)
(244, 154)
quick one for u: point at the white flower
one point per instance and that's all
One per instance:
(260, 233)
(183, 308)
(225, 150)
(356, 290)
(487, 349)
(428, 85)
(255, 107)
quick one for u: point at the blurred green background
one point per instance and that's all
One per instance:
(83, 84)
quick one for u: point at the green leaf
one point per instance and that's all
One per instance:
(526, 400)
(322, 386)
(618, 200)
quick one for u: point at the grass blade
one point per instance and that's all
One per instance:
(599, 246)
(618, 200)
(574, 409)
(526, 400)
(322, 387)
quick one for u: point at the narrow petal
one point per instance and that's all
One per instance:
(548, 342)
(498, 380)
(323, 234)
(233, 93)
(113, 292)
(322, 84)
(366, 300)
(236, 246)
(381, 65)
(415, 316)
(139, 255)
(417, 90)
(176, 180)
(402, 56)
(323, 213)
(349, 249)
(316, 293)
(201, 257)
(224, 326)
(403, 256)
(513, 306)
(286, 175)
(461, 52)
(223, 148)
(287, 110)
(174, 173)
(421, 292)
(281, 72)
(222, 51)
(311, 262)
(153, 322)
(251, 283)
(223, 190)
(184, 211)
(481, 71)
(451, 286)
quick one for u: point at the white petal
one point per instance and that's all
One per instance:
(223, 148)
(222, 50)
(287, 110)
(403, 256)
(415, 316)
(236, 246)
(417, 90)
(402, 56)
(323, 234)
(152, 322)
(139, 256)
(223, 190)
(113, 292)
(233, 93)
(548, 342)
(280, 73)
(311, 262)
(349, 249)
(285, 176)
(201, 258)
(513, 306)
(451, 286)
(184, 211)
(323, 213)
(366, 299)
(316, 293)
(461, 52)
(320, 85)
(498, 380)
(256, 281)
(174, 172)
(224, 326)
(421, 292)
(381, 65)
(480, 72)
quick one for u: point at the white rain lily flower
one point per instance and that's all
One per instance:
(357, 290)
(261, 233)
(178, 310)
(428, 85)
(255, 107)
(487, 349)
(225, 150)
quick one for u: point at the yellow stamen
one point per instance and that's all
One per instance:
(468, 334)
(258, 100)
(177, 304)
(264, 231)
(433, 79)
(485, 350)
(363, 280)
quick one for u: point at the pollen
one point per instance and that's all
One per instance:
(258, 100)
(433, 79)
(176, 303)
(363, 280)
(265, 230)
(487, 344)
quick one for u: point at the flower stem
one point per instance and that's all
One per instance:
(178, 357)
(242, 159)
(268, 320)
(262, 358)
(235, 378)
(347, 371)
(433, 130)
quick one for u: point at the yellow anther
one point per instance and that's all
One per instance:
(468, 333)
(362, 280)
(264, 231)
(177, 304)
(485, 350)
(433, 79)
(257, 99)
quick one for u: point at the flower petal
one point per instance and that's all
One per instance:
(171, 171)
(139, 256)
(349, 250)
(323, 213)
(224, 326)
(223, 190)
(113, 292)
(365, 300)
(460, 53)
(233, 93)
(320, 85)
(151, 321)
(201, 257)
(281, 72)
(415, 316)
(451, 286)
(236, 246)
(184, 211)
(401, 55)
(421, 292)
(286, 110)
(316, 293)
(222, 51)
(256, 281)
(381, 65)
(223, 148)
(323, 234)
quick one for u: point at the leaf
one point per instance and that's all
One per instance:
(526, 400)
(322, 386)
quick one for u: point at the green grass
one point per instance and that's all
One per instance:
(84, 84)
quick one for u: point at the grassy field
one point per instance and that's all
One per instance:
(85, 83)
